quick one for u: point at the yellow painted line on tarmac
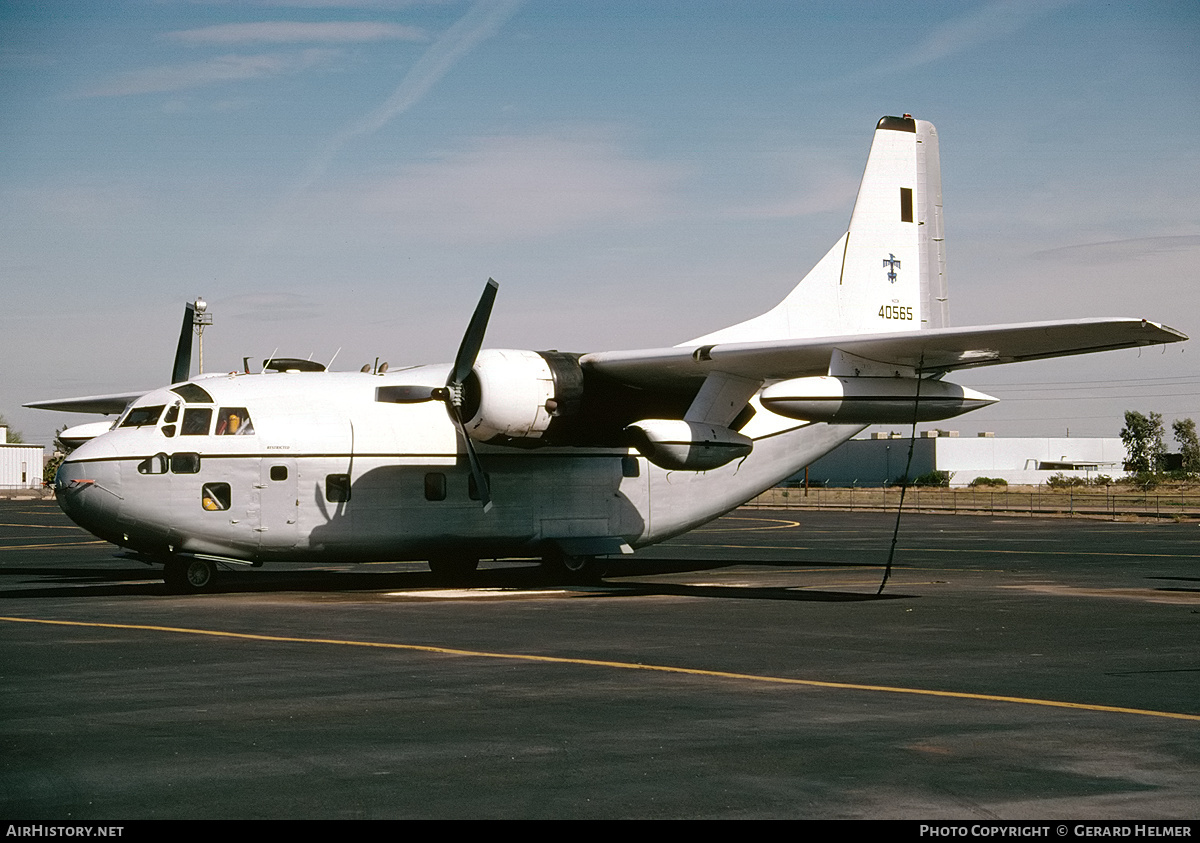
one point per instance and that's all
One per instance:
(959, 550)
(44, 546)
(776, 524)
(687, 671)
(71, 527)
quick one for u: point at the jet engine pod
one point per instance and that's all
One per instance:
(691, 446)
(518, 394)
(870, 400)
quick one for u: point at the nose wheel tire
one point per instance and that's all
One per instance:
(189, 575)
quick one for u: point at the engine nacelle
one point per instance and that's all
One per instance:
(515, 394)
(870, 400)
(689, 446)
(75, 436)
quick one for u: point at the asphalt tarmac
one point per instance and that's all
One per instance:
(1013, 668)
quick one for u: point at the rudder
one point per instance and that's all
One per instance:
(888, 271)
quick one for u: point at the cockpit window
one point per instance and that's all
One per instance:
(142, 416)
(234, 421)
(196, 421)
(192, 394)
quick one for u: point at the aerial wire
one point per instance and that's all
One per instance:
(912, 441)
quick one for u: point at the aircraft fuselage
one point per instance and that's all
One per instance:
(310, 466)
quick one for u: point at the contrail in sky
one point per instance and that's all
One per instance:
(482, 21)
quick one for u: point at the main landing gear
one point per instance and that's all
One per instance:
(453, 568)
(187, 576)
(572, 569)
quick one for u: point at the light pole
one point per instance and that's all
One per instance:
(200, 320)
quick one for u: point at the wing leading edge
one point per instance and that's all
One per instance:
(103, 404)
(932, 351)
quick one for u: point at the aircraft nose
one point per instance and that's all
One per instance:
(87, 488)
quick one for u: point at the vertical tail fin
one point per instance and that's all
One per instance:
(888, 271)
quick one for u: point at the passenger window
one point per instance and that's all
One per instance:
(215, 497)
(156, 464)
(196, 421)
(337, 488)
(142, 416)
(629, 467)
(435, 486)
(185, 463)
(234, 421)
(279, 472)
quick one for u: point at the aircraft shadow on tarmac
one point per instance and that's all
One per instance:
(93, 582)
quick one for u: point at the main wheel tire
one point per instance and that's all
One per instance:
(572, 569)
(453, 568)
(190, 575)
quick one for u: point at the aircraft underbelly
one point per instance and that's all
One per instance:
(684, 500)
(398, 510)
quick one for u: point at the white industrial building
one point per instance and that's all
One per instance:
(881, 460)
(20, 465)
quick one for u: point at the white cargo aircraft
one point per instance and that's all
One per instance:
(566, 457)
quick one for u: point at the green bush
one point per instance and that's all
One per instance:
(1061, 481)
(988, 481)
(933, 478)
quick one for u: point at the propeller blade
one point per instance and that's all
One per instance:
(182, 369)
(472, 340)
(481, 482)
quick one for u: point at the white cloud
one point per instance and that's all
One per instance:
(515, 187)
(1111, 251)
(271, 307)
(980, 25)
(295, 32)
(481, 22)
(217, 70)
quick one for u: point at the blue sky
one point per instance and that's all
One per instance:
(347, 175)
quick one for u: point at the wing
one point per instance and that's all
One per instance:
(89, 403)
(933, 351)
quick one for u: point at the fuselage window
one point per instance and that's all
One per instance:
(196, 421)
(629, 467)
(234, 421)
(185, 463)
(279, 472)
(435, 486)
(142, 416)
(156, 464)
(337, 488)
(215, 497)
